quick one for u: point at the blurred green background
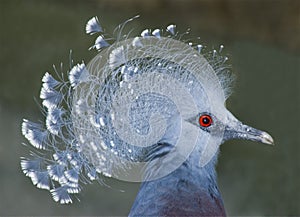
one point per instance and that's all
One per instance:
(262, 39)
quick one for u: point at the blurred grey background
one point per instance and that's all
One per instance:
(262, 39)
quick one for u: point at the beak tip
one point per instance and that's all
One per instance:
(267, 138)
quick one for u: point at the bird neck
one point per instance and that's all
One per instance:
(190, 190)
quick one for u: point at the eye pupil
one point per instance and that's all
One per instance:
(205, 120)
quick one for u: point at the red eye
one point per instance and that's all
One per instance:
(205, 120)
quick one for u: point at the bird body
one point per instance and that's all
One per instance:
(190, 190)
(149, 108)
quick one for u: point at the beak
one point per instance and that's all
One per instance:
(242, 131)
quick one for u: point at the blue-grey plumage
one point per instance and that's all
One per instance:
(190, 190)
(149, 108)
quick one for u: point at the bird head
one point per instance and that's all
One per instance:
(225, 128)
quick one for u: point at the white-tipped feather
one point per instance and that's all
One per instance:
(55, 114)
(116, 57)
(50, 97)
(56, 172)
(137, 42)
(199, 47)
(61, 195)
(35, 134)
(93, 26)
(41, 179)
(156, 33)
(30, 166)
(146, 33)
(54, 128)
(72, 175)
(54, 120)
(172, 29)
(49, 82)
(100, 43)
(78, 74)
